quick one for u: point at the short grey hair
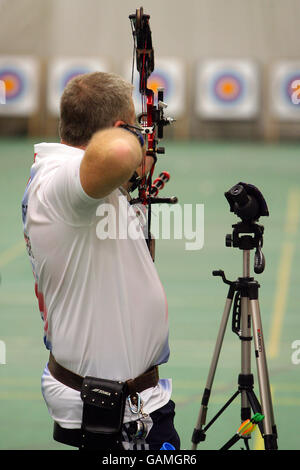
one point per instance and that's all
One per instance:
(91, 102)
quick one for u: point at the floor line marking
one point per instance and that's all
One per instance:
(284, 272)
(12, 253)
(292, 218)
(282, 287)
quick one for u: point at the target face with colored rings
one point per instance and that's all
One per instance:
(159, 80)
(14, 84)
(291, 89)
(169, 74)
(227, 88)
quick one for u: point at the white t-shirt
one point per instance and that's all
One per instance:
(102, 303)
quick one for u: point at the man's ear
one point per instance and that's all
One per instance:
(118, 123)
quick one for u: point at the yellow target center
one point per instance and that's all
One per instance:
(227, 88)
(9, 84)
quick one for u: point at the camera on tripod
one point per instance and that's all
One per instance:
(248, 203)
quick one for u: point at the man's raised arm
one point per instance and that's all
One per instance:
(109, 161)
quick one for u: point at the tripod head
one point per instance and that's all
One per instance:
(248, 203)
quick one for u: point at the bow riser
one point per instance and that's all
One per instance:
(152, 119)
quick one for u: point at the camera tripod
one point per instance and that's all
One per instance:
(246, 236)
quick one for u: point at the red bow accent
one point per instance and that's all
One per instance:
(152, 119)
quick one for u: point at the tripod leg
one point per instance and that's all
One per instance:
(231, 442)
(245, 377)
(198, 435)
(270, 433)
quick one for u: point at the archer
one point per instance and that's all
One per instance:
(102, 303)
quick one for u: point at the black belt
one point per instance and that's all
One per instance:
(75, 381)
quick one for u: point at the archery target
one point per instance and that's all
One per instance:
(159, 79)
(62, 70)
(227, 89)
(14, 83)
(168, 74)
(19, 80)
(285, 90)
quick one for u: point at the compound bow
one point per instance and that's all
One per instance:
(152, 119)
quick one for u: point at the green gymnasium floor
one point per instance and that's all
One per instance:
(200, 174)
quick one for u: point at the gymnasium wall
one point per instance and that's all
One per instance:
(264, 31)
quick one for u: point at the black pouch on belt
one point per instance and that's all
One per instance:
(103, 407)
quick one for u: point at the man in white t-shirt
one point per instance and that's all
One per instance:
(103, 306)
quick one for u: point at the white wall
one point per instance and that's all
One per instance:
(262, 29)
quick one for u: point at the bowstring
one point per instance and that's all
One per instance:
(144, 108)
